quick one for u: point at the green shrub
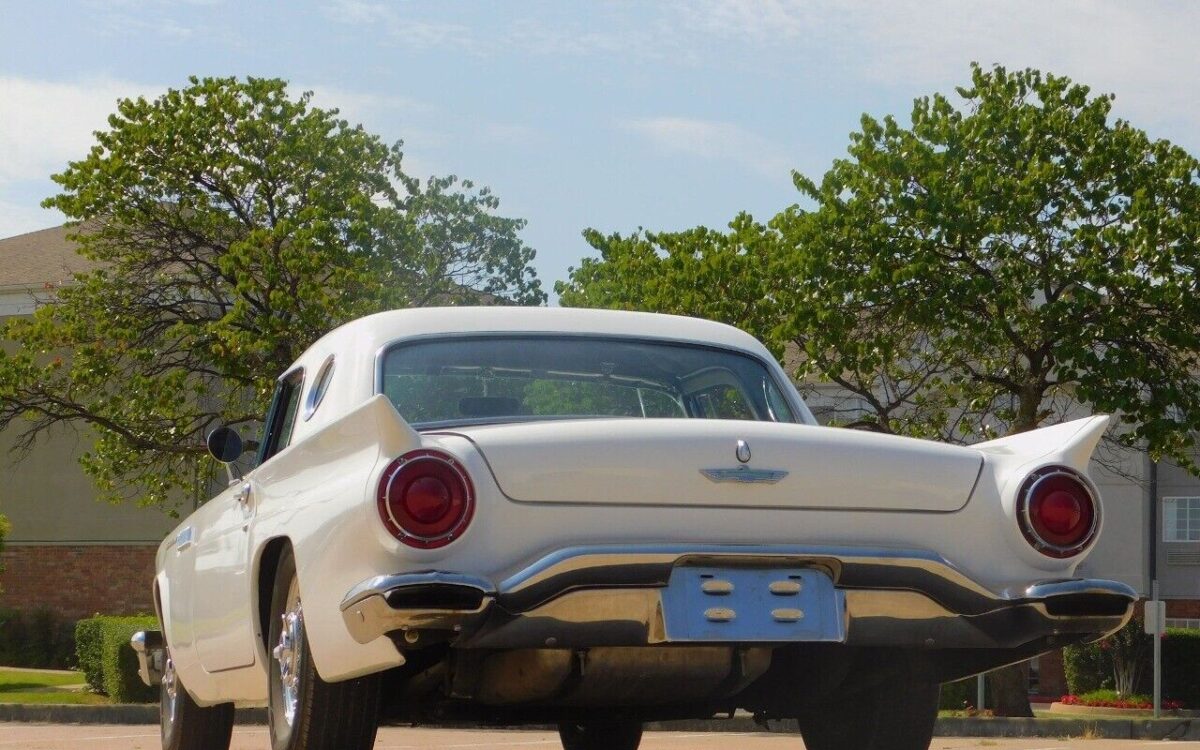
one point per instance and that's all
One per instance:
(1098, 696)
(108, 662)
(39, 639)
(957, 695)
(1088, 668)
(87, 651)
(1181, 666)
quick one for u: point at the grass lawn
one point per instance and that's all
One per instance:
(26, 686)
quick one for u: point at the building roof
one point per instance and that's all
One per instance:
(37, 258)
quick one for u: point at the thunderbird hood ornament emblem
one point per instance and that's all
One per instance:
(744, 474)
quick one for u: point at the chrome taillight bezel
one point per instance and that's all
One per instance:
(411, 462)
(1025, 519)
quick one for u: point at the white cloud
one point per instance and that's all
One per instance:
(710, 139)
(1144, 52)
(45, 124)
(402, 26)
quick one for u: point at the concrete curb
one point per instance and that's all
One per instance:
(1117, 729)
(1124, 729)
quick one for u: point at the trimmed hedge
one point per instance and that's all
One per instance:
(1181, 666)
(107, 660)
(87, 652)
(38, 639)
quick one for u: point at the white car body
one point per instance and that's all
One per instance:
(554, 497)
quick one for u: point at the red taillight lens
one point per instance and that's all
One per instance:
(1057, 511)
(426, 499)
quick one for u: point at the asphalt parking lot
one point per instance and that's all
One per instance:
(70, 737)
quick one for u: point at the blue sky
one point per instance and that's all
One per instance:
(611, 115)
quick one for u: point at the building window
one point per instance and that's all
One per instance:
(1183, 622)
(1181, 519)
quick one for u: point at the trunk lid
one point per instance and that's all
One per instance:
(662, 462)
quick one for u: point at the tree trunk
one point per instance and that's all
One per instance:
(1008, 694)
(1008, 687)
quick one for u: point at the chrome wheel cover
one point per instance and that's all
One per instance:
(288, 653)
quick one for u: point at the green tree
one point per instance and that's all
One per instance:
(230, 225)
(976, 272)
(5, 528)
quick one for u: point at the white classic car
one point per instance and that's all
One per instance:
(597, 519)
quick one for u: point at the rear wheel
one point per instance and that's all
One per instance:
(896, 715)
(186, 725)
(305, 712)
(620, 734)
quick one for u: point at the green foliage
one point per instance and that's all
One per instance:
(702, 272)
(1181, 666)
(88, 639)
(1093, 666)
(1112, 696)
(5, 528)
(1088, 668)
(968, 274)
(37, 639)
(231, 225)
(107, 660)
(958, 695)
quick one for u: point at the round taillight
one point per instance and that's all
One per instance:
(426, 499)
(1057, 511)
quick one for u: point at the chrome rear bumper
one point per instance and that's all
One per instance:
(617, 595)
(151, 652)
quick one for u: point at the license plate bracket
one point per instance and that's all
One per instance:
(725, 604)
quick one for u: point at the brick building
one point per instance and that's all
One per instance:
(68, 552)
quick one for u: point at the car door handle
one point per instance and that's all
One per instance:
(243, 494)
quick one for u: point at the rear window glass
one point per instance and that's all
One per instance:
(514, 378)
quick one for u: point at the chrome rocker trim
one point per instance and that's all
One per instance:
(612, 595)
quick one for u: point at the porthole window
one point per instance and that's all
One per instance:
(319, 387)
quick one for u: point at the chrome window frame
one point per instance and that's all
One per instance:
(262, 458)
(319, 387)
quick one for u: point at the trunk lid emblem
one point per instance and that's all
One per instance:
(743, 473)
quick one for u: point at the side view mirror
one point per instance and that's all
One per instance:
(225, 444)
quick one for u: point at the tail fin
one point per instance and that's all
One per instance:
(1069, 443)
(395, 435)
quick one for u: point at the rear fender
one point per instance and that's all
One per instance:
(1011, 460)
